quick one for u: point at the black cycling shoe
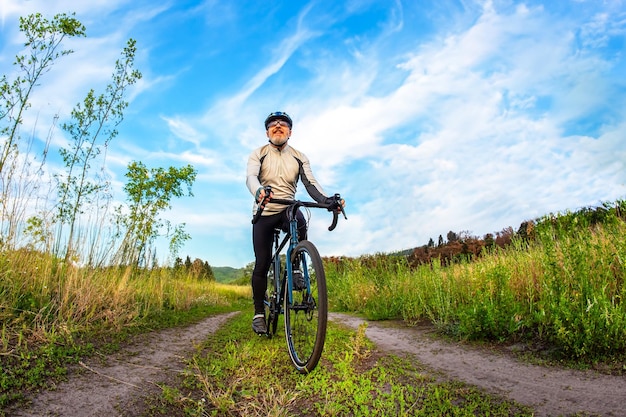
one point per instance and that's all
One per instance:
(258, 324)
(298, 280)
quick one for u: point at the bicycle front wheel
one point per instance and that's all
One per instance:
(306, 309)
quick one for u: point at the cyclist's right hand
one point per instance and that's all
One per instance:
(263, 195)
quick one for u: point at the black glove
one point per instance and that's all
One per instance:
(333, 202)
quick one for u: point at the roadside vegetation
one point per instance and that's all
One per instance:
(53, 315)
(559, 288)
(558, 291)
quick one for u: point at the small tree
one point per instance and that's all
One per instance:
(177, 239)
(208, 272)
(178, 264)
(201, 270)
(42, 46)
(149, 192)
(43, 38)
(489, 240)
(96, 117)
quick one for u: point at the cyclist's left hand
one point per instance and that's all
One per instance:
(336, 201)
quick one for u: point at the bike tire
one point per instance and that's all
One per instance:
(272, 303)
(306, 316)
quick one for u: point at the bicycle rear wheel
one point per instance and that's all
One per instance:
(306, 310)
(272, 303)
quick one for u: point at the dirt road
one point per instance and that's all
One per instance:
(116, 385)
(549, 391)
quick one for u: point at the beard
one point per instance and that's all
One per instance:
(279, 140)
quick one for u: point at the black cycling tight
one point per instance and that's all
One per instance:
(262, 238)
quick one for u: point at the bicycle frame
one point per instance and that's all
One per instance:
(304, 307)
(292, 237)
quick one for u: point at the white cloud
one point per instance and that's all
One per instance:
(183, 130)
(487, 163)
(497, 113)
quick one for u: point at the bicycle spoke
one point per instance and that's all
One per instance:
(272, 307)
(306, 310)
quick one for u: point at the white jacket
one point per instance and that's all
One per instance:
(280, 169)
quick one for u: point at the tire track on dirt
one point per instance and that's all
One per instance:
(116, 385)
(550, 391)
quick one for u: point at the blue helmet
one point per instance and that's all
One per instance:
(278, 115)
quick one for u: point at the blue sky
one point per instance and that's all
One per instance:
(426, 115)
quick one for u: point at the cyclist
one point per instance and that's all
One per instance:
(278, 165)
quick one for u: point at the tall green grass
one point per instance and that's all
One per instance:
(51, 312)
(564, 288)
(41, 296)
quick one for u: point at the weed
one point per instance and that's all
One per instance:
(237, 373)
(564, 289)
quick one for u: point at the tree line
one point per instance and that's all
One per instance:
(463, 246)
(198, 268)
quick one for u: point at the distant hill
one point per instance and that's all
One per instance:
(226, 274)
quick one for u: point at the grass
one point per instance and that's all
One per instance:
(564, 289)
(234, 374)
(561, 292)
(52, 314)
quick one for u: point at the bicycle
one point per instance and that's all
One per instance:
(304, 303)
